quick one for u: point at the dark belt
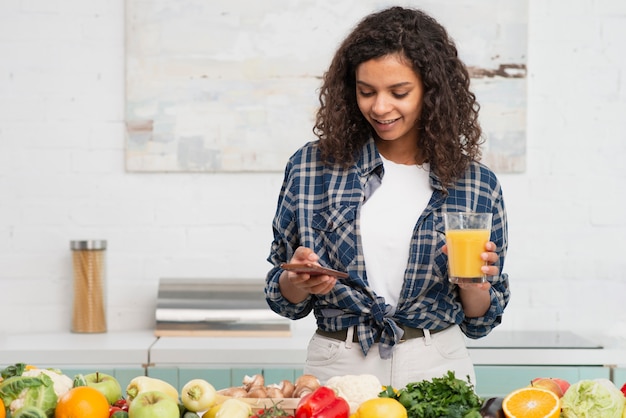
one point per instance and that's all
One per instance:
(409, 334)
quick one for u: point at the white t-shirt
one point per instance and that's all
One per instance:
(388, 219)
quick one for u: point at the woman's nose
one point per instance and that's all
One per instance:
(381, 105)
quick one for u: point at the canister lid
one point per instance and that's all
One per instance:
(88, 245)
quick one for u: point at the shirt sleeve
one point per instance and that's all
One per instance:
(279, 304)
(479, 327)
(285, 242)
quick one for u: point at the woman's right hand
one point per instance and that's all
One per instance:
(296, 287)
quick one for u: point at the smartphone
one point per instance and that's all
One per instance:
(313, 269)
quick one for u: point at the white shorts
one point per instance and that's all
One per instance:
(413, 360)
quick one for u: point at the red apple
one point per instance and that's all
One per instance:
(547, 383)
(563, 383)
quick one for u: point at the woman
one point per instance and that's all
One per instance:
(398, 145)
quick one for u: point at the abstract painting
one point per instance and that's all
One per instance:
(231, 85)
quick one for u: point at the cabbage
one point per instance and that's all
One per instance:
(20, 391)
(593, 398)
(29, 412)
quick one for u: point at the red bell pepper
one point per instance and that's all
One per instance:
(322, 403)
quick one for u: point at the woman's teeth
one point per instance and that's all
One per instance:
(386, 122)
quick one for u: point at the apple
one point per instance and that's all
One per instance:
(106, 384)
(563, 383)
(153, 404)
(547, 383)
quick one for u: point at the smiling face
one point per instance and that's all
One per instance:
(389, 94)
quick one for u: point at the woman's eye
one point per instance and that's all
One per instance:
(366, 93)
(400, 95)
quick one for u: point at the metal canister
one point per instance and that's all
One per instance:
(89, 307)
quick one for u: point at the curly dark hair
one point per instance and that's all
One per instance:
(449, 131)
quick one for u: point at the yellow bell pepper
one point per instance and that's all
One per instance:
(147, 384)
(212, 411)
(232, 408)
(380, 408)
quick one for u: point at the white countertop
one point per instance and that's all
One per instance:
(63, 349)
(142, 348)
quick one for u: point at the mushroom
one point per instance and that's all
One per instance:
(274, 392)
(235, 392)
(286, 387)
(250, 381)
(257, 392)
(306, 383)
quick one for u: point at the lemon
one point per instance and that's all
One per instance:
(380, 408)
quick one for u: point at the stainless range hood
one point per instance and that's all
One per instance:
(216, 308)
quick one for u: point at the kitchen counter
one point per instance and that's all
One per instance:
(144, 349)
(70, 349)
(504, 360)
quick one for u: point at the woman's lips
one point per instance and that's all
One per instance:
(386, 124)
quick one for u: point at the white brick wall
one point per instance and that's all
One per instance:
(62, 176)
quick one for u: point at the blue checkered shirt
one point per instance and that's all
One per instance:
(318, 208)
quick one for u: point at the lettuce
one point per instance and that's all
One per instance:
(21, 391)
(593, 398)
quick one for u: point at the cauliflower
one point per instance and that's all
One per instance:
(355, 389)
(40, 396)
(61, 382)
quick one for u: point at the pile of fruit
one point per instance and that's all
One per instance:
(31, 392)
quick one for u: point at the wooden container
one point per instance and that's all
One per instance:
(89, 308)
(289, 405)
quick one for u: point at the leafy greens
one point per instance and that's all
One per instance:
(444, 397)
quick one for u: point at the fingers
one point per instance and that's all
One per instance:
(317, 285)
(304, 255)
(490, 256)
(490, 270)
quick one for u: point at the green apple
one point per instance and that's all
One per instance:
(106, 384)
(153, 404)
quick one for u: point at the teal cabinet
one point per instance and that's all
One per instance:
(275, 376)
(168, 374)
(619, 377)
(501, 380)
(223, 377)
(219, 378)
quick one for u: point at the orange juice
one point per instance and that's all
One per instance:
(464, 249)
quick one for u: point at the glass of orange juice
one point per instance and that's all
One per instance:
(466, 236)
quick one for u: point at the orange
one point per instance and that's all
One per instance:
(532, 402)
(82, 402)
(3, 411)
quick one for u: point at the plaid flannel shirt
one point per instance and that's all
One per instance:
(318, 208)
